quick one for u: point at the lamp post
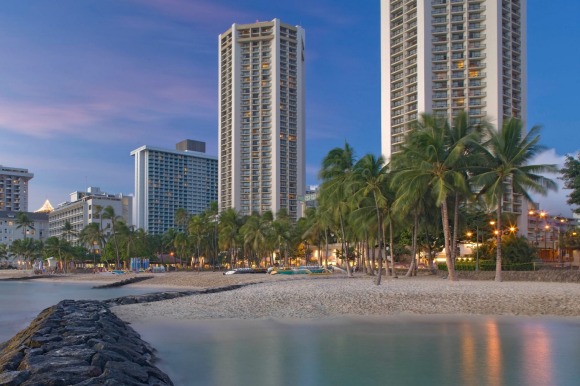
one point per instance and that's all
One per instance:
(546, 229)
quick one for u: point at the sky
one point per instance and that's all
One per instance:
(83, 83)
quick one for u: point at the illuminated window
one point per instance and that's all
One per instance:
(473, 74)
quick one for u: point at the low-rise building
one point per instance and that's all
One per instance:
(85, 208)
(10, 231)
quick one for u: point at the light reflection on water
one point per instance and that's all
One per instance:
(21, 301)
(396, 351)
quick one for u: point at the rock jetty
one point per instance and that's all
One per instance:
(78, 343)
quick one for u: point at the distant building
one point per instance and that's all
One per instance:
(9, 231)
(311, 197)
(262, 118)
(14, 189)
(83, 209)
(167, 180)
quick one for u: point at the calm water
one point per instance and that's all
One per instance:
(21, 301)
(409, 351)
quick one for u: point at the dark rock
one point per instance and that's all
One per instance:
(78, 342)
(10, 361)
(13, 378)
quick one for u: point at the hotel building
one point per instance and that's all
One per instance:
(261, 118)
(167, 180)
(85, 208)
(9, 231)
(447, 56)
(14, 189)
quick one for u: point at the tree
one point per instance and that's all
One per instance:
(181, 219)
(92, 237)
(229, 232)
(505, 165)
(256, 232)
(68, 232)
(336, 190)
(370, 179)
(24, 222)
(571, 177)
(109, 214)
(59, 247)
(431, 159)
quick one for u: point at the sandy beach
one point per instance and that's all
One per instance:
(305, 297)
(298, 297)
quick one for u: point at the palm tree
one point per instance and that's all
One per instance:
(60, 247)
(256, 232)
(505, 165)
(109, 214)
(197, 229)
(24, 222)
(370, 179)
(182, 219)
(281, 233)
(229, 230)
(68, 232)
(432, 158)
(335, 191)
(92, 237)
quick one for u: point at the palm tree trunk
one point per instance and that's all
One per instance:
(498, 273)
(384, 237)
(411, 271)
(445, 217)
(455, 229)
(392, 244)
(344, 251)
(380, 257)
(326, 247)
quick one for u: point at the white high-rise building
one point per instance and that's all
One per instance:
(261, 118)
(14, 188)
(167, 180)
(447, 56)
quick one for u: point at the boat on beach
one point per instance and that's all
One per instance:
(302, 270)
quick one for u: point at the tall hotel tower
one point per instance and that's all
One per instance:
(447, 56)
(261, 118)
(14, 189)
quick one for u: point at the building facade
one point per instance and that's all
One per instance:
(14, 189)
(167, 180)
(85, 208)
(261, 118)
(9, 231)
(448, 56)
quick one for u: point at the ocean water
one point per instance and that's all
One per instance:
(430, 350)
(21, 301)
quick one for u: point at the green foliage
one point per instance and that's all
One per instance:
(515, 250)
(571, 177)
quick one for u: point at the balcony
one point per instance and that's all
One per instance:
(440, 68)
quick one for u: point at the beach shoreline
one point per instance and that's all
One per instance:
(307, 297)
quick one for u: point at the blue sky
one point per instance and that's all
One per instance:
(82, 83)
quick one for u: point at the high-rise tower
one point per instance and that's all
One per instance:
(447, 56)
(167, 180)
(14, 188)
(261, 118)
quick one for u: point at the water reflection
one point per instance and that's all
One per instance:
(435, 351)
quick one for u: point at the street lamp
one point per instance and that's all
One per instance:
(546, 229)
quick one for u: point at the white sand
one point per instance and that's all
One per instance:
(314, 298)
